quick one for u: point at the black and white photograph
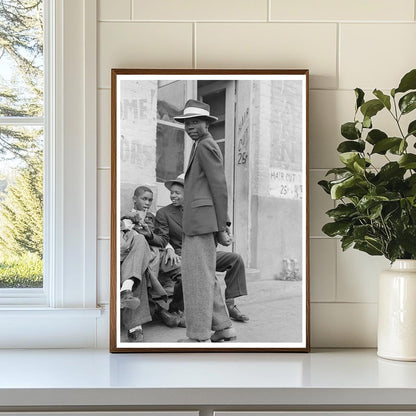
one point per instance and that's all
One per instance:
(209, 214)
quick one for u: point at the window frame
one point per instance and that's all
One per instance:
(65, 314)
(33, 296)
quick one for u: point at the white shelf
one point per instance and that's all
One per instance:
(333, 379)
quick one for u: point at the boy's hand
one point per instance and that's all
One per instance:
(144, 229)
(223, 238)
(172, 257)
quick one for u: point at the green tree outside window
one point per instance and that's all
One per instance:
(21, 143)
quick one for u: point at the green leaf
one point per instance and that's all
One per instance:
(407, 240)
(398, 149)
(390, 170)
(340, 180)
(411, 180)
(333, 229)
(408, 161)
(359, 166)
(408, 82)
(375, 212)
(368, 248)
(408, 102)
(338, 171)
(325, 186)
(367, 122)
(371, 108)
(348, 158)
(393, 250)
(359, 95)
(338, 190)
(349, 146)
(411, 130)
(369, 201)
(383, 145)
(346, 242)
(402, 147)
(349, 131)
(375, 135)
(361, 231)
(385, 99)
(342, 211)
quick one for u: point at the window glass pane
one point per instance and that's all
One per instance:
(171, 97)
(170, 100)
(21, 208)
(21, 145)
(169, 152)
(21, 58)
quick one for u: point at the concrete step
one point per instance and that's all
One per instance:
(252, 274)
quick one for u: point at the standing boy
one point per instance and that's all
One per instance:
(204, 222)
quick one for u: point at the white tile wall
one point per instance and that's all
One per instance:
(323, 267)
(201, 10)
(104, 202)
(328, 110)
(270, 45)
(376, 55)
(319, 203)
(104, 128)
(103, 270)
(142, 45)
(357, 275)
(114, 10)
(339, 325)
(345, 44)
(341, 10)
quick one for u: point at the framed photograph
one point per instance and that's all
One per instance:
(209, 212)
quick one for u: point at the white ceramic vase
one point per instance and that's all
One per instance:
(397, 312)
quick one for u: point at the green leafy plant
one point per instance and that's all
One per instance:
(376, 209)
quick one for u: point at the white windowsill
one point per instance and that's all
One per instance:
(37, 311)
(40, 327)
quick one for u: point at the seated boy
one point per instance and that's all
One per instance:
(168, 233)
(139, 266)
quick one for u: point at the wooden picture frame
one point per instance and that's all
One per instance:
(260, 125)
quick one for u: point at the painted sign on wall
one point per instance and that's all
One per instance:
(285, 184)
(243, 136)
(137, 133)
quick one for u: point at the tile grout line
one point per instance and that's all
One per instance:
(194, 62)
(131, 10)
(344, 302)
(269, 10)
(254, 21)
(336, 271)
(338, 63)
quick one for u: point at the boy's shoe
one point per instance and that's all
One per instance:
(193, 340)
(227, 334)
(128, 301)
(135, 336)
(169, 319)
(182, 322)
(236, 314)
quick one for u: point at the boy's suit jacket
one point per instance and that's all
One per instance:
(205, 203)
(169, 228)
